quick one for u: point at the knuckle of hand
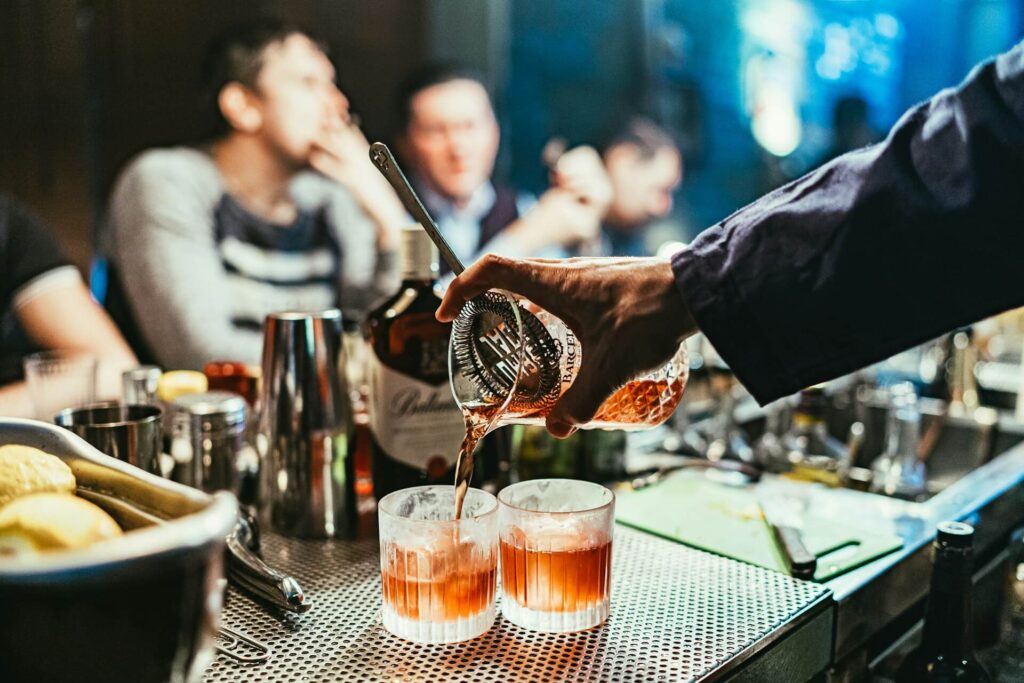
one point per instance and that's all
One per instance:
(495, 264)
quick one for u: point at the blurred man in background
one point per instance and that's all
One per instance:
(45, 305)
(645, 167)
(206, 241)
(449, 141)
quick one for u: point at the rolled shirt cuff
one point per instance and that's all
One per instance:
(56, 278)
(723, 316)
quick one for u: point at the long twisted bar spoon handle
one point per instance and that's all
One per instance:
(385, 162)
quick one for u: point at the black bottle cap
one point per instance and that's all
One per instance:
(954, 535)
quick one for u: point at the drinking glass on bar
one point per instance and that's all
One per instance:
(60, 379)
(438, 574)
(556, 554)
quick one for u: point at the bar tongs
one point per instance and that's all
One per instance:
(250, 573)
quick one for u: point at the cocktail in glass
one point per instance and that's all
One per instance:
(438, 574)
(556, 553)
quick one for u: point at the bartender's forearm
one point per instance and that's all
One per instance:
(878, 251)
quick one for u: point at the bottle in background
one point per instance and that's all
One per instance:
(602, 455)
(809, 449)
(356, 353)
(234, 376)
(538, 455)
(416, 426)
(768, 449)
(947, 648)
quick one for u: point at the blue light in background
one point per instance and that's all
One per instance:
(749, 86)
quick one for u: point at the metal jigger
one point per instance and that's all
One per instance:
(306, 474)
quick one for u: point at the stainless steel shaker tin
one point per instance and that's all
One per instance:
(130, 433)
(306, 474)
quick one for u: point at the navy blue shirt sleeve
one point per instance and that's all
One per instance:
(877, 251)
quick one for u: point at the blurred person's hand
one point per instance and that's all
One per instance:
(558, 219)
(627, 313)
(581, 173)
(569, 214)
(342, 153)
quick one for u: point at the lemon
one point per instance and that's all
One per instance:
(25, 470)
(53, 521)
(179, 383)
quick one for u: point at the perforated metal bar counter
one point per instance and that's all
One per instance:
(678, 614)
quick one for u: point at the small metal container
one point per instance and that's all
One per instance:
(129, 433)
(139, 385)
(208, 441)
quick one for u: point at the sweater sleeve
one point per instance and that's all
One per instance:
(877, 251)
(166, 254)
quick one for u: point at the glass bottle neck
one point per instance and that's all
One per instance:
(419, 260)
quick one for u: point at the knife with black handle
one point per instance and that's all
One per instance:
(785, 527)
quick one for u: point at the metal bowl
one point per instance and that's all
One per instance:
(144, 607)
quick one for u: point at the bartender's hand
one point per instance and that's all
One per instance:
(627, 312)
(342, 153)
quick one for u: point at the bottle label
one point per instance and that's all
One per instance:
(416, 423)
(570, 350)
(571, 356)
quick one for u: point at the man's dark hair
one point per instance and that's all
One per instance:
(237, 55)
(640, 132)
(429, 76)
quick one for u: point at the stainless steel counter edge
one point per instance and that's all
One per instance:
(800, 647)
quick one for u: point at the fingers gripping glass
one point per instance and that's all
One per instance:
(510, 361)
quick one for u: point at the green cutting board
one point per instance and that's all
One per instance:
(692, 509)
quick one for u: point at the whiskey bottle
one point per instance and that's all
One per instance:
(415, 424)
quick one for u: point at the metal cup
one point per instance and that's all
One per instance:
(208, 443)
(305, 423)
(130, 433)
(139, 385)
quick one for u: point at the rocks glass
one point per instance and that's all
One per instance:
(556, 553)
(438, 574)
